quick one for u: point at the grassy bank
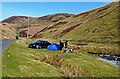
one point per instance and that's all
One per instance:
(103, 48)
(20, 61)
(0, 68)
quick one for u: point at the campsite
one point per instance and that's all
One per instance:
(52, 63)
(60, 40)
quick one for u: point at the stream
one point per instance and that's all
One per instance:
(113, 60)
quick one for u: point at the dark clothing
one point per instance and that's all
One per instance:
(61, 45)
(17, 37)
(66, 44)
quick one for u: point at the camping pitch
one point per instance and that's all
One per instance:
(53, 46)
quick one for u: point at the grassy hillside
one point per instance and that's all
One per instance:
(100, 33)
(7, 31)
(37, 24)
(102, 28)
(98, 25)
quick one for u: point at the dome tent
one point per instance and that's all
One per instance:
(53, 46)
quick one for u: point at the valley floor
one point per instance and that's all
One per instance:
(20, 61)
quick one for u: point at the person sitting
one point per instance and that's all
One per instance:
(66, 44)
(61, 44)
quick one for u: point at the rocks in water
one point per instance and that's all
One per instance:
(105, 56)
(114, 60)
(108, 57)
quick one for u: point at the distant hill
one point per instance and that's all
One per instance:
(55, 17)
(36, 24)
(15, 19)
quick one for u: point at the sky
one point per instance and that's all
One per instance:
(59, 0)
(38, 9)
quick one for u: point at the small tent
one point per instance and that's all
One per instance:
(53, 46)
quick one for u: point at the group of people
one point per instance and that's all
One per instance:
(63, 44)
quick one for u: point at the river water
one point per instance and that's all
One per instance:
(113, 60)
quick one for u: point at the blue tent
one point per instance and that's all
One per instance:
(53, 46)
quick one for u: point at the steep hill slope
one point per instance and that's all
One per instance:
(101, 25)
(98, 25)
(7, 31)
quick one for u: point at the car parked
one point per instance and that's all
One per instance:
(39, 43)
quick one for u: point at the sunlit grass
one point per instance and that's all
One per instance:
(20, 61)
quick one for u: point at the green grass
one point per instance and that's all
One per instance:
(98, 29)
(105, 48)
(20, 61)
